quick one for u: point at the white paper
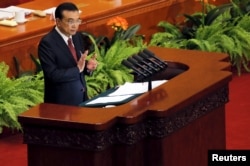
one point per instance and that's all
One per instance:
(135, 88)
(16, 9)
(109, 99)
(5, 14)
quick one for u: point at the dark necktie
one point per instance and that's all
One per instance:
(72, 49)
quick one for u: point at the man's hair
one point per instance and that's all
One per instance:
(64, 6)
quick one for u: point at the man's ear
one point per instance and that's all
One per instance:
(57, 21)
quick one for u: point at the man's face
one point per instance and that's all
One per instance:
(70, 22)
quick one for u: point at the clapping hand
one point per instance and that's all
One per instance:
(92, 63)
(81, 62)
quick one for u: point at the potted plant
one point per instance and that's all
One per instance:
(224, 28)
(16, 96)
(110, 53)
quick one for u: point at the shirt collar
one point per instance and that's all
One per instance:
(65, 38)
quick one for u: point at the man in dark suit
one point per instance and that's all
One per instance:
(64, 64)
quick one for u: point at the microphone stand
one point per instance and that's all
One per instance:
(149, 84)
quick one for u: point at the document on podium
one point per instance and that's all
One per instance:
(109, 99)
(135, 88)
(125, 92)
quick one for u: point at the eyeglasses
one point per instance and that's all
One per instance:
(73, 22)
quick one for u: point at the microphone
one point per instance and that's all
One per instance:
(152, 55)
(149, 64)
(135, 62)
(149, 79)
(155, 64)
(149, 85)
(130, 65)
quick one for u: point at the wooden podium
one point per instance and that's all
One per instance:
(172, 125)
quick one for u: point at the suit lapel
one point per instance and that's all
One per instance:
(63, 46)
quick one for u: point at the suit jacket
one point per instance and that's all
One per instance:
(63, 82)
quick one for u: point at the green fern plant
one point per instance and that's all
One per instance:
(110, 72)
(110, 54)
(17, 95)
(241, 7)
(220, 31)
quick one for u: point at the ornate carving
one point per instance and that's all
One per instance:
(161, 127)
(124, 134)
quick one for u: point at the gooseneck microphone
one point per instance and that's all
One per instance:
(131, 66)
(147, 63)
(137, 63)
(152, 55)
(155, 64)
